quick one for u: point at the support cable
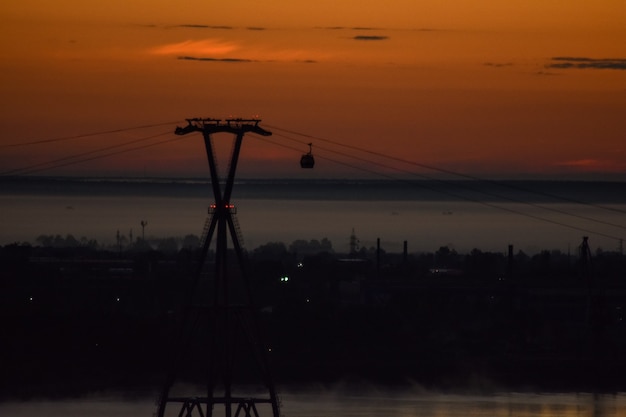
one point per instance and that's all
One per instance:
(448, 171)
(459, 196)
(84, 135)
(65, 161)
(70, 160)
(466, 186)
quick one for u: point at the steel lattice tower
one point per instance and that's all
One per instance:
(227, 320)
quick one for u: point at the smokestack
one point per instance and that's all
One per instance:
(378, 257)
(405, 252)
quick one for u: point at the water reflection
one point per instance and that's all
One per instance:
(371, 404)
(513, 404)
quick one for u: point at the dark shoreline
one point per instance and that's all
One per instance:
(77, 322)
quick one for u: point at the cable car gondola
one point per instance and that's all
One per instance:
(307, 160)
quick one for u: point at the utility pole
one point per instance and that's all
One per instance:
(228, 307)
(354, 243)
(143, 230)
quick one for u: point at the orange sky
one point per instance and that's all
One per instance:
(485, 87)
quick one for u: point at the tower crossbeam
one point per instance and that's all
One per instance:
(227, 318)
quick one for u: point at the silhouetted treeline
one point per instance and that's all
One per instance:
(83, 317)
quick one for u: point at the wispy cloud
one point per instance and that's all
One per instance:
(208, 59)
(565, 62)
(192, 47)
(547, 73)
(217, 50)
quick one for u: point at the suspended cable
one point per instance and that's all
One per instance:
(70, 160)
(459, 196)
(514, 200)
(450, 172)
(33, 169)
(84, 135)
(265, 139)
(66, 158)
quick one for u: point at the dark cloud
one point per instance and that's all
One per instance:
(207, 59)
(370, 38)
(547, 73)
(366, 28)
(565, 62)
(349, 28)
(235, 60)
(192, 26)
(498, 64)
(255, 28)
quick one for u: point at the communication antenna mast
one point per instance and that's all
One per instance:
(229, 327)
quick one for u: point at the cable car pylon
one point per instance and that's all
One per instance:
(228, 308)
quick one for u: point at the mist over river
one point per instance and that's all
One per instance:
(531, 215)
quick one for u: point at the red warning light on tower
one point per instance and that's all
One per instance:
(228, 207)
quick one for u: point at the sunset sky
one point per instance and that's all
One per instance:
(489, 88)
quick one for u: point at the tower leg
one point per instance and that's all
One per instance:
(224, 319)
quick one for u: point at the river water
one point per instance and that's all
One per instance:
(278, 212)
(372, 403)
(271, 211)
